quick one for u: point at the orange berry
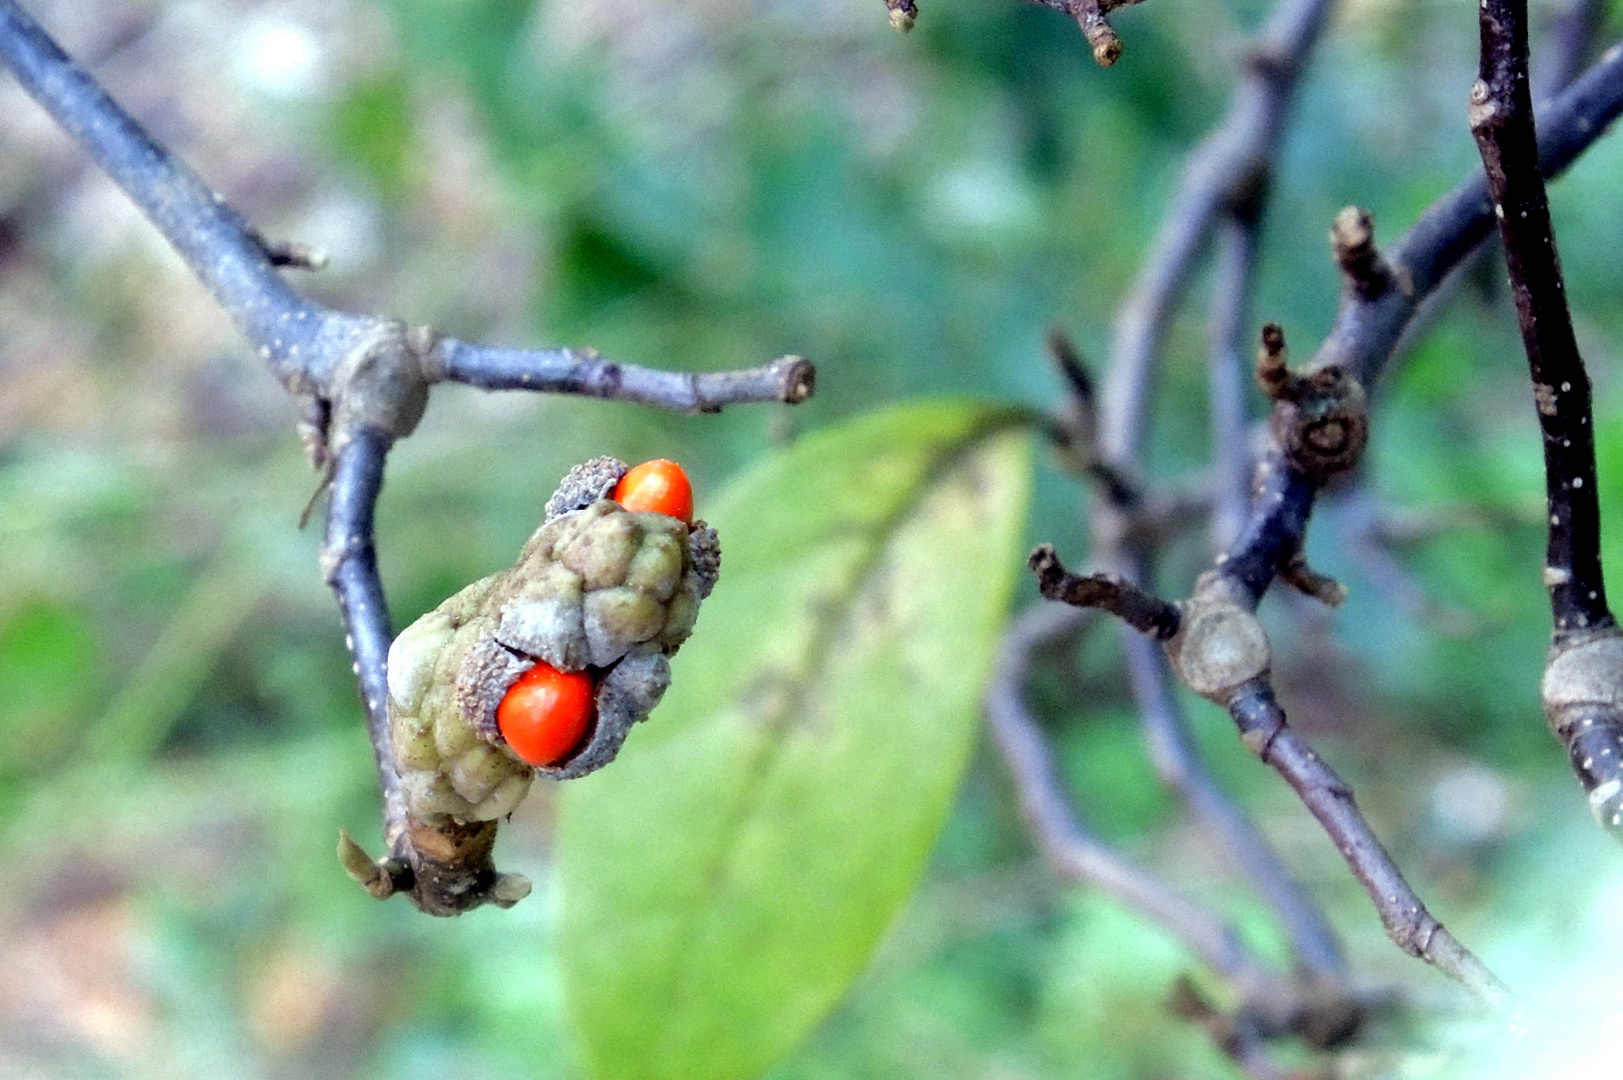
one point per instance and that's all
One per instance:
(546, 713)
(658, 485)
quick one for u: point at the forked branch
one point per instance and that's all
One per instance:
(361, 383)
(1219, 649)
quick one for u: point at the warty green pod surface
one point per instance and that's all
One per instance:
(597, 588)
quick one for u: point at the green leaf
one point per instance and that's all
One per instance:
(728, 876)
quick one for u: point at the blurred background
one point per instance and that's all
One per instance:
(704, 184)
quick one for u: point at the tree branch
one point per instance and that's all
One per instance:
(1365, 334)
(1581, 691)
(1359, 346)
(1221, 652)
(1570, 39)
(1076, 855)
(788, 379)
(1228, 324)
(350, 565)
(1172, 750)
(1219, 649)
(1416, 931)
(1310, 1005)
(1225, 188)
(1090, 15)
(1096, 28)
(1231, 168)
(1145, 613)
(221, 249)
(1502, 122)
(361, 383)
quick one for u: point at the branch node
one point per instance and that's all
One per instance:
(1220, 646)
(1320, 418)
(1481, 111)
(380, 382)
(1582, 693)
(451, 869)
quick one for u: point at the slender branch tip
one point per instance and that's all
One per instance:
(1352, 242)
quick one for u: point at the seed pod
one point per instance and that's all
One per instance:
(597, 588)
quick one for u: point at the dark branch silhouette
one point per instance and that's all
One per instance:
(1581, 691)
(1501, 115)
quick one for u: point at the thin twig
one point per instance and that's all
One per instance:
(1220, 650)
(1360, 344)
(1221, 614)
(222, 250)
(1076, 427)
(1177, 761)
(1315, 1005)
(1568, 45)
(1225, 187)
(1352, 245)
(350, 564)
(1069, 848)
(789, 379)
(1090, 15)
(1275, 65)
(1407, 921)
(1228, 327)
(1145, 613)
(1238, 1040)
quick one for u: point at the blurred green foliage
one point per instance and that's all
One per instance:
(703, 185)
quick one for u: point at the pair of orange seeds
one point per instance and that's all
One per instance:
(547, 712)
